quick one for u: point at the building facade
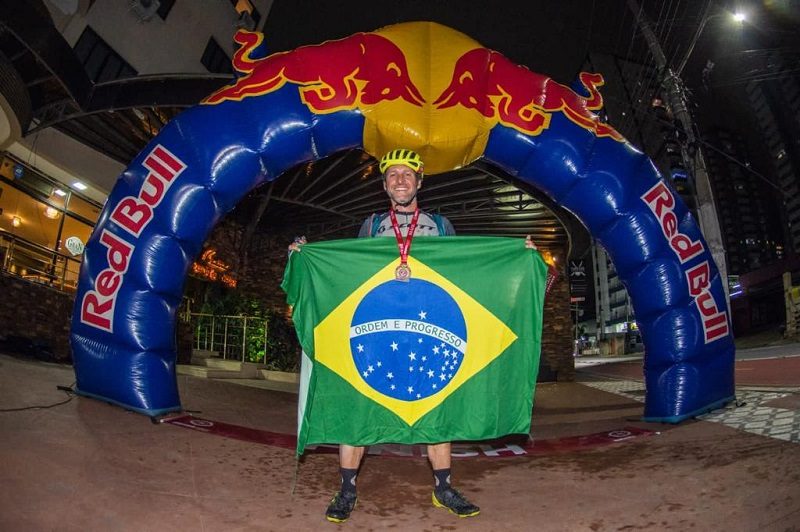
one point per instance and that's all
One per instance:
(775, 104)
(52, 186)
(743, 204)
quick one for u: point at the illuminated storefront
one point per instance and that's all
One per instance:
(43, 226)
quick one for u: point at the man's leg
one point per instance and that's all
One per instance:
(350, 457)
(345, 499)
(444, 495)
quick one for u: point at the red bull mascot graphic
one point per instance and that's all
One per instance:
(435, 91)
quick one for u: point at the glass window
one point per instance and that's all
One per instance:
(74, 228)
(28, 218)
(110, 70)
(164, 7)
(31, 216)
(26, 178)
(83, 208)
(68, 267)
(215, 59)
(99, 60)
(57, 200)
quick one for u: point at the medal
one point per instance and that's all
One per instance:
(403, 272)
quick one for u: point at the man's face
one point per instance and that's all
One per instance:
(401, 184)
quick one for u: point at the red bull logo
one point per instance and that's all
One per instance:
(364, 68)
(488, 82)
(467, 90)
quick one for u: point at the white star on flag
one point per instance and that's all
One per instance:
(423, 314)
(412, 355)
(366, 374)
(394, 346)
(390, 375)
(430, 373)
(360, 348)
(410, 389)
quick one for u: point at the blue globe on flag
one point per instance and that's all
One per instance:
(408, 339)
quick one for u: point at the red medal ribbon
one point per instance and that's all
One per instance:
(404, 245)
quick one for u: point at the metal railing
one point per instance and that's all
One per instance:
(242, 338)
(37, 263)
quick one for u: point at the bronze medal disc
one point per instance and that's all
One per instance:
(402, 273)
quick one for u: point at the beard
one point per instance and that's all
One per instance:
(404, 203)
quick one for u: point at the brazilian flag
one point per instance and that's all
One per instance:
(451, 354)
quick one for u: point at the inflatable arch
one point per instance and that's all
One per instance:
(416, 85)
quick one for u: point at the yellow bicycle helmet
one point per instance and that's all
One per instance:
(401, 156)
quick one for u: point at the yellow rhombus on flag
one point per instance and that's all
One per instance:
(487, 338)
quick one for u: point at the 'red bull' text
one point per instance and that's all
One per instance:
(132, 214)
(661, 202)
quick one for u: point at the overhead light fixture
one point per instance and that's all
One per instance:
(79, 186)
(51, 212)
(16, 221)
(59, 192)
(739, 16)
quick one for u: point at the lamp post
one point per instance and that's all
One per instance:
(691, 152)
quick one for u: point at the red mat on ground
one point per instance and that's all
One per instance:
(505, 447)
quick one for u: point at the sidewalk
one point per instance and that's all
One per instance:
(774, 366)
(86, 465)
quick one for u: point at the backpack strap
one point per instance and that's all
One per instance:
(375, 222)
(439, 223)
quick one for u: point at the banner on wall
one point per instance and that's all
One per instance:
(451, 354)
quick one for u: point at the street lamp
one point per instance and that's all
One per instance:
(739, 17)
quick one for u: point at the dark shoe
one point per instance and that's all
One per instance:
(340, 507)
(455, 503)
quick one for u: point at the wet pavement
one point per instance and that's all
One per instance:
(85, 465)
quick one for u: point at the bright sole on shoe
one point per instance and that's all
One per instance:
(437, 504)
(335, 520)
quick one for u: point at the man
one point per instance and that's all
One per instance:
(402, 172)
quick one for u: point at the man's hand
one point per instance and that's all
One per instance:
(529, 243)
(297, 244)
